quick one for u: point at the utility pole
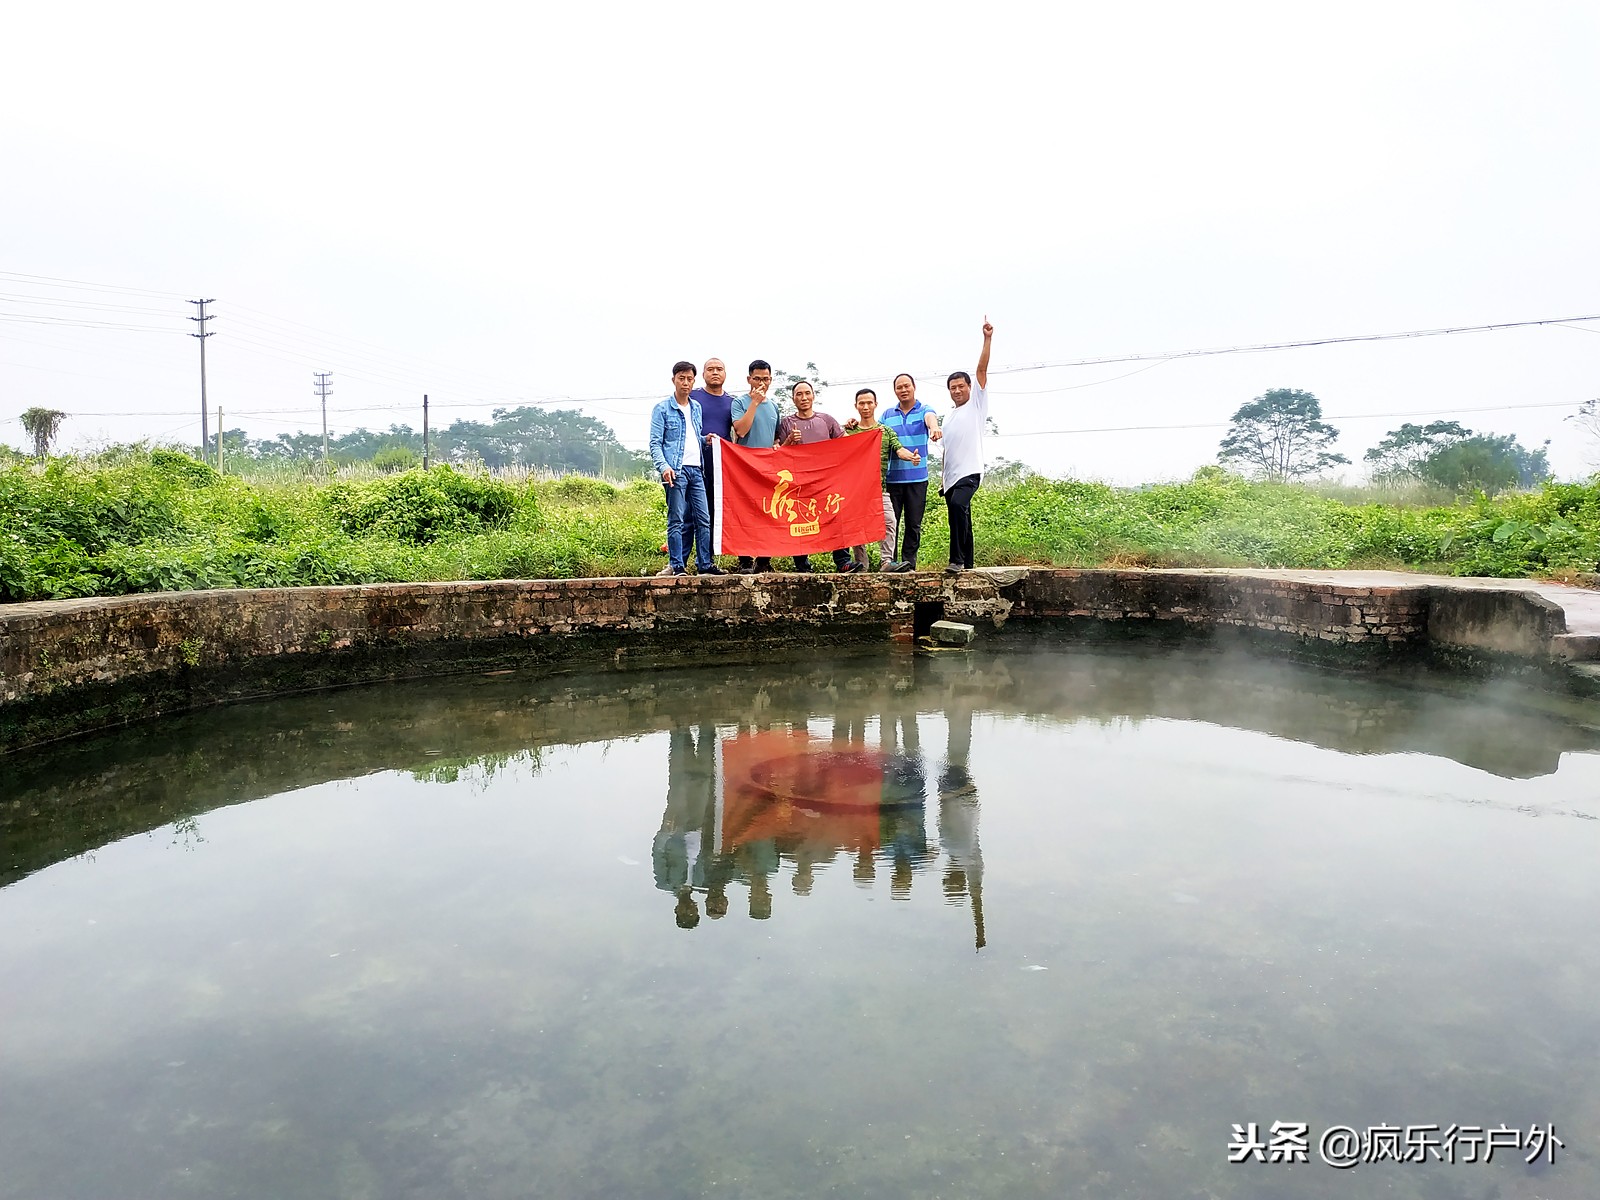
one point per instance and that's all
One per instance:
(424, 431)
(219, 436)
(202, 335)
(323, 388)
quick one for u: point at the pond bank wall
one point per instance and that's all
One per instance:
(76, 665)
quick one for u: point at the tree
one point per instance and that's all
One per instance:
(786, 380)
(1281, 436)
(1404, 452)
(559, 441)
(42, 425)
(1486, 463)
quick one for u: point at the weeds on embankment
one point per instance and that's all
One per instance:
(160, 521)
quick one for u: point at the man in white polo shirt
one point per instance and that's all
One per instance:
(963, 452)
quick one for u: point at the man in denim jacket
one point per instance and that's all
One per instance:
(677, 449)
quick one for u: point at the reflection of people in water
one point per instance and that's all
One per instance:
(756, 862)
(901, 818)
(736, 810)
(684, 854)
(958, 818)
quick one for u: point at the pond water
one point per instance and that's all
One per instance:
(1029, 921)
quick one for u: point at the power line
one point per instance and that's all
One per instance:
(1265, 347)
(1432, 412)
(54, 302)
(397, 374)
(44, 320)
(84, 285)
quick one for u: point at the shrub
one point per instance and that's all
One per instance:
(420, 507)
(395, 458)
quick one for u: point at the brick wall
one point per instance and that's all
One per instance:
(1396, 616)
(73, 665)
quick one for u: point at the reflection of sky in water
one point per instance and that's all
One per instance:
(390, 987)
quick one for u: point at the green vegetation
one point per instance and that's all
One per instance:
(550, 441)
(137, 520)
(1449, 456)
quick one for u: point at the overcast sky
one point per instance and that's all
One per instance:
(499, 205)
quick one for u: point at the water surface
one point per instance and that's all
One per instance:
(1029, 922)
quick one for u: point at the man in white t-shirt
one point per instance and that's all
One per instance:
(963, 452)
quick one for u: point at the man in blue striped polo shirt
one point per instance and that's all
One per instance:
(915, 424)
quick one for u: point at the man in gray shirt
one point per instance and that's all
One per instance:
(802, 427)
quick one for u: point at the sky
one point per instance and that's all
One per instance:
(500, 205)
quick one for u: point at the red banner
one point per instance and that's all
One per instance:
(794, 788)
(798, 499)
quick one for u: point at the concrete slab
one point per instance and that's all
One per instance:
(1581, 605)
(951, 633)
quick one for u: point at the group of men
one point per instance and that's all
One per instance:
(683, 424)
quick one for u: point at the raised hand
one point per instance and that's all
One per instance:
(988, 329)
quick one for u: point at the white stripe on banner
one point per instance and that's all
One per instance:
(716, 508)
(719, 803)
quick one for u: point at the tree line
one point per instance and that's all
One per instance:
(1281, 436)
(554, 441)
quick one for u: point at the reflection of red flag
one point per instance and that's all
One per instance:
(783, 785)
(798, 499)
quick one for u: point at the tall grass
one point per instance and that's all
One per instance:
(142, 520)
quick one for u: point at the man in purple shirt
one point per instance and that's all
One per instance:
(800, 428)
(716, 415)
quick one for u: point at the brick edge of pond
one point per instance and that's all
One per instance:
(73, 666)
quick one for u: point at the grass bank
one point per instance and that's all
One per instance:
(159, 521)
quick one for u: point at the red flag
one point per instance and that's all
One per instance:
(798, 499)
(794, 787)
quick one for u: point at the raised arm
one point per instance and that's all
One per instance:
(982, 373)
(758, 397)
(742, 423)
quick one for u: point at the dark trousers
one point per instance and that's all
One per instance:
(910, 502)
(958, 502)
(687, 517)
(802, 562)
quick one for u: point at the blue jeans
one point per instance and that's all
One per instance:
(686, 496)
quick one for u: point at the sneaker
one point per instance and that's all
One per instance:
(850, 568)
(713, 569)
(669, 570)
(891, 567)
(677, 570)
(954, 569)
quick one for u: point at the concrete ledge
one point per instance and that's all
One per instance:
(75, 665)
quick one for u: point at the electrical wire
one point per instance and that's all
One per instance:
(85, 285)
(388, 369)
(1431, 412)
(87, 324)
